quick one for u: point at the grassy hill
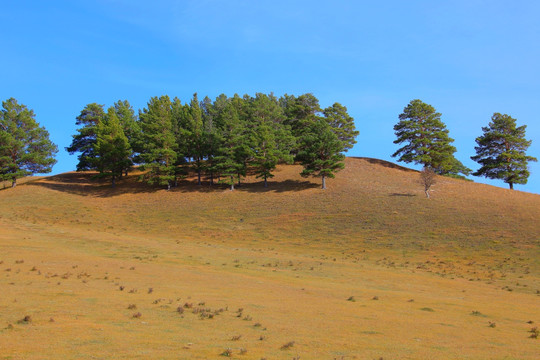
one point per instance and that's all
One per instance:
(369, 268)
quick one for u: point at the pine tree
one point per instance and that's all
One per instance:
(320, 151)
(501, 151)
(25, 148)
(272, 141)
(128, 120)
(197, 137)
(426, 140)
(300, 111)
(231, 139)
(112, 147)
(84, 142)
(342, 124)
(211, 131)
(158, 152)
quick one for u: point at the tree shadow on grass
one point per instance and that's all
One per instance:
(403, 194)
(384, 163)
(254, 187)
(83, 184)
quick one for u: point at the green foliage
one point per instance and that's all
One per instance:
(300, 111)
(84, 142)
(196, 136)
(231, 144)
(426, 140)
(320, 151)
(158, 145)
(272, 141)
(501, 151)
(112, 147)
(129, 122)
(342, 124)
(223, 138)
(25, 148)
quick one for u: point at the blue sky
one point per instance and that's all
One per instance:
(468, 59)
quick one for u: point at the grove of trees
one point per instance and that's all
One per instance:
(221, 139)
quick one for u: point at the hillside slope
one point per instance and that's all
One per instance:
(290, 255)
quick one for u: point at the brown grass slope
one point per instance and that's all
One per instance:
(84, 260)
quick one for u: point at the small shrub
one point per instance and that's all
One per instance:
(137, 315)
(180, 310)
(150, 290)
(188, 305)
(375, 298)
(227, 353)
(287, 346)
(243, 351)
(351, 298)
(477, 313)
(25, 320)
(236, 337)
(534, 333)
(427, 309)
(132, 307)
(492, 324)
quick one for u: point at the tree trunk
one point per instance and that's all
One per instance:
(127, 172)
(265, 181)
(232, 183)
(511, 186)
(13, 182)
(199, 176)
(113, 181)
(427, 193)
(324, 182)
(168, 185)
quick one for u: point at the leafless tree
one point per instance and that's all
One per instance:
(427, 178)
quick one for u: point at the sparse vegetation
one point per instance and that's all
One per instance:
(227, 353)
(287, 345)
(370, 233)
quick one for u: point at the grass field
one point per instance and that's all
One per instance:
(367, 269)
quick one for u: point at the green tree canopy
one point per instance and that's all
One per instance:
(320, 151)
(272, 140)
(501, 151)
(112, 147)
(342, 124)
(232, 138)
(85, 140)
(426, 140)
(158, 150)
(25, 148)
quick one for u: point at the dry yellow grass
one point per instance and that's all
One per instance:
(80, 253)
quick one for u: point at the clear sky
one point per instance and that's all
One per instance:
(467, 58)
